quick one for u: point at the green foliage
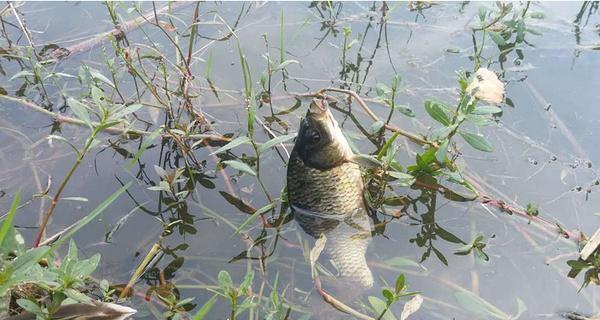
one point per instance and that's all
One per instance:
(232, 293)
(390, 296)
(60, 282)
(532, 210)
(591, 266)
(476, 247)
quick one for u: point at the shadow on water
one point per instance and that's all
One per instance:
(217, 91)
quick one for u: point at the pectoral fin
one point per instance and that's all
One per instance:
(365, 161)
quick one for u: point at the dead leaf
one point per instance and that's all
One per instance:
(486, 86)
(315, 252)
(167, 26)
(411, 306)
(96, 310)
(591, 246)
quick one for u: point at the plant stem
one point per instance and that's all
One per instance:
(61, 187)
(113, 130)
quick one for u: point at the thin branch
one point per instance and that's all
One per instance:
(337, 304)
(117, 32)
(112, 130)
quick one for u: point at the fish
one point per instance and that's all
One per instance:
(325, 191)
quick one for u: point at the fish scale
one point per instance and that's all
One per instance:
(335, 196)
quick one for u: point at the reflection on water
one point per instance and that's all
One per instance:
(203, 219)
(346, 239)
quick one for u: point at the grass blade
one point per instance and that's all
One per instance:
(9, 217)
(205, 308)
(91, 216)
(253, 217)
(275, 141)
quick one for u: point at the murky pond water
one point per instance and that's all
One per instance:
(544, 148)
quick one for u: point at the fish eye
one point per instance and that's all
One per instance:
(315, 136)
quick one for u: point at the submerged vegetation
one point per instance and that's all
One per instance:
(173, 128)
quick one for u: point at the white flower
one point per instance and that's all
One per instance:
(486, 86)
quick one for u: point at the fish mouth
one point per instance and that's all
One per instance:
(318, 107)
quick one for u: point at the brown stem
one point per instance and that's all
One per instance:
(140, 270)
(337, 304)
(63, 184)
(117, 32)
(113, 130)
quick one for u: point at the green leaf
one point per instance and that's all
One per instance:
(246, 304)
(80, 111)
(382, 90)
(405, 110)
(464, 250)
(21, 74)
(126, 111)
(446, 235)
(275, 141)
(497, 38)
(285, 64)
(476, 141)
(225, 281)
(185, 301)
(145, 144)
(440, 256)
(438, 112)
(441, 133)
(30, 306)
(253, 217)
(9, 217)
(402, 262)
(98, 97)
(400, 283)
(478, 120)
(537, 15)
(232, 144)
(99, 76)
(376, 127)
(483, 110)
(379, 307)
(240, 166)
(86, 267)
(389, 296)
(245, 285)
(441, 152)
(29, 258)
(237, 202)
(78, 296)
(90, 217)
(403, 179)
(387, 145)
(396, 82)
(205, 308)
(477, 305)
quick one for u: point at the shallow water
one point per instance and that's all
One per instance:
(547, 157)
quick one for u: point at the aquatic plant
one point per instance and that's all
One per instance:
(158, 93)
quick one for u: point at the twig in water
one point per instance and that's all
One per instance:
(113, 130)
(118, 32)
(140, 270)
(338, 304)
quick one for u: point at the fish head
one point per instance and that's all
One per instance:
(320, 142)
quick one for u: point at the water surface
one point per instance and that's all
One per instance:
(545, 151)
